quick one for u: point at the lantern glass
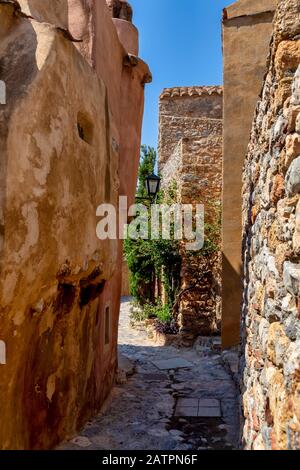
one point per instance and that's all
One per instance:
(152, 184)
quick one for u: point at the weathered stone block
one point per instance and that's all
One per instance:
(296, 236)
(287, 20)
(282, 93)
(278, 344)
(291, 277)
(293, 114)
(264, 326)
(292, 147)
(297, 124)
(287, 58)
(293, 178)
(292, 363)
(278, 188)
(259, 443)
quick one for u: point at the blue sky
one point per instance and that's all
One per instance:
(181, 42)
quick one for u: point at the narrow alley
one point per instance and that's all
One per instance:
(173, 399)
(149, 231)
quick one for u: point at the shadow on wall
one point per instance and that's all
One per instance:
(265, 17)
(25, 71)
(18, 69)
(21, 59)
(230, 327)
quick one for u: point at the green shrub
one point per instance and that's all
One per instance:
(151, 311)
(163, 313)
(160, 260)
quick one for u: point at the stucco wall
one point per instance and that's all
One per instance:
(247, 27)
(63, 153)
(271, 247)
(125, 279)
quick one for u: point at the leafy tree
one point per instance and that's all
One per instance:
(151, 260)
(146, 168)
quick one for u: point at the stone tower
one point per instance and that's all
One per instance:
(190, 153)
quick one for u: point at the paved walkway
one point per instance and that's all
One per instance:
(147, 412)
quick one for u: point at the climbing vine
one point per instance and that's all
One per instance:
(155, 265)
(212, 229)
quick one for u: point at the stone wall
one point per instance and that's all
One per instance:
(247, 29)
(271, 246)
(186, 112)
(190, 153)
(65, 148)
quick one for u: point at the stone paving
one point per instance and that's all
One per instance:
(147, 412)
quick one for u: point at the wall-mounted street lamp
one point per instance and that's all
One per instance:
(152, 186)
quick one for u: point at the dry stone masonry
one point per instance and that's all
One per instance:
(271, 245)
(190, 154)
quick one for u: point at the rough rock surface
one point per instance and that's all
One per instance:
(271, 301)
(140, 414)
(190, 155)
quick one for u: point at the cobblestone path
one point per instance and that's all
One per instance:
(147, 412)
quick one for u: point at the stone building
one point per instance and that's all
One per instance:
(271, 247)
(247, 29)
(69, 141)
(190, 154)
